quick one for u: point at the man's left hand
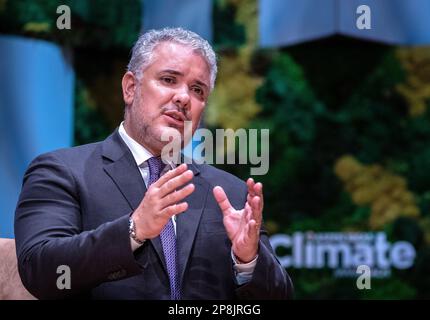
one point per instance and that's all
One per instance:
(243, 226)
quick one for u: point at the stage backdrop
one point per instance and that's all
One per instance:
(349, 120)
(36, 103)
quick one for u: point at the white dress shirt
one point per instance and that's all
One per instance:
(141, 155)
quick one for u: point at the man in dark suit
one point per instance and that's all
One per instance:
(129, 226)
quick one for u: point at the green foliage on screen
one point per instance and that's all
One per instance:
(312, 125)
(95, 23)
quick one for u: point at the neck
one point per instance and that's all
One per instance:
(136, 137)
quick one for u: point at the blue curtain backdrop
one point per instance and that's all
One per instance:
(36, 104)
(393, 21)
(286, 22)
(189, 14)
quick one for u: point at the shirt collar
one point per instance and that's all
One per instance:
(139, 152)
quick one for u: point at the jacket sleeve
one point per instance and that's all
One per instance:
(48, 234)
(269, 279)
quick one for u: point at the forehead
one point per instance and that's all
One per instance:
(175, 56)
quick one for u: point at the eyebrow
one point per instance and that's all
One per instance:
(177, 73)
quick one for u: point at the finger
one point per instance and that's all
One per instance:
(252, 227)
(255, 203)
(171, 174)
(174, 209)
(177, 196)
(176, 182)
(246, 216)
(222, 199)
(258, 189)
(257, 214)
(248, 212)
(250, 184)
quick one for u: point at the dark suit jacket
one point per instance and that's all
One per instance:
(74, 209)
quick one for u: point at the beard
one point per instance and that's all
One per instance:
(148, 131)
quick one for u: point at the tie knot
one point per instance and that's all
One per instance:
(155, 165)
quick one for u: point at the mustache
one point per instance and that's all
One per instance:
(186, 114)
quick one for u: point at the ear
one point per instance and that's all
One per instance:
(129, 83)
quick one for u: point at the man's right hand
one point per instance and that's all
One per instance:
(160, 202)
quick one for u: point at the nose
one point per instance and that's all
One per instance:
(181, 98)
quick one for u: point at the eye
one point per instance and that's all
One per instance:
(168, 80)
(198, 90)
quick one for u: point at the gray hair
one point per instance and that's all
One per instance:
(143, 48)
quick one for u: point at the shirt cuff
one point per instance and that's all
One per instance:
(134, 245)
(243, 271)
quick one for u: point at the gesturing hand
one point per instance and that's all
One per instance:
(160, 202)
(243, 226)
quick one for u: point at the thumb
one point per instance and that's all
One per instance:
(222, 199)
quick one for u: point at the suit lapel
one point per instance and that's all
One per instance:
(126, 175)
(187, 222)
(122, 169)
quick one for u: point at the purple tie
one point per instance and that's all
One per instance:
(167, 235)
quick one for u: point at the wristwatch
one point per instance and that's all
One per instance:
(132, 232)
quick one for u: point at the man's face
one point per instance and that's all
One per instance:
(174, 88)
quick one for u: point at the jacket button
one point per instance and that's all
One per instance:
(117, 274)
(122, 273)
